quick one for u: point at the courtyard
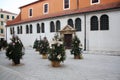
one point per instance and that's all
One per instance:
(33, 67)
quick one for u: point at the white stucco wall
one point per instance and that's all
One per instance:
(95, 40)
(104, 39)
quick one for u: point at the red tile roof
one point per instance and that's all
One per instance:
(31, 3)
(68, 12)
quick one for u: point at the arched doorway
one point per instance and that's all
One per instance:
(67, 33)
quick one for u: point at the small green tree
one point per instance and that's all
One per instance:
(14, 50)
(57, 50)
(43, 47)
(35, 45)
(76, 48)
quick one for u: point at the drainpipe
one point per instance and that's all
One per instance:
(6, 32)
(77, 4)
(85, 32)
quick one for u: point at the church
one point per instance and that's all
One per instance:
(95, 22)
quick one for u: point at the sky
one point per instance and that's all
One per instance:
(13, 5)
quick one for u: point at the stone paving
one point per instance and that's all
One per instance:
(33, 67)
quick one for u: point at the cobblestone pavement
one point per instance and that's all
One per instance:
(33, 67)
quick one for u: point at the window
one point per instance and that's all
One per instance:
(27, 29)
(18, 30)
(42, 27)
(57, 25)
(2, 31)
(66, 4)
(7, 16)
(78, 24)
(94, 1)
(2, 23)
(104, 22)
(94, 23)
(38, 28)
(12, 30)
(45, 8)
(52, 26)
(30, 12)
(30, 28)
(2, 16)
(70, 22)
(13, 17)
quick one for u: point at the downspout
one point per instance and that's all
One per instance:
(6, 32)
(77, 4)
(85, 32)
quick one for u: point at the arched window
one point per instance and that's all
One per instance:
(38, 28)
(78, 24)
(70, 22)
(58, 25)
(94, 23)
(27, 29)
(104, 22)
(20, 29)
(52, 26)
(42, 27)
(12, 30)
(30, 28)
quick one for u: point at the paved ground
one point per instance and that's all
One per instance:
(33, 67)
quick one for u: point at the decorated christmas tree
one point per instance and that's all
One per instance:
(3, 44)
(43, 47)
(36, 45)
(76, 48)
(14, 50)
(56, 52)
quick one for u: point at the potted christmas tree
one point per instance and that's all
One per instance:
(14, 50)
(44, 46)
(36, 45)
(76, 48)
(56, 52)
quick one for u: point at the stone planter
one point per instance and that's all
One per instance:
(16, 61)
(78, 56)
(37, 49)
(55, 63)
(44, 56)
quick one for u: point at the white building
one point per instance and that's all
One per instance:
(97, 26)
(4, 17)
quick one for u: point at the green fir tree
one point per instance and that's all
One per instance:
(36, 45)
(14, 50)
(76, 48)
(43, 46)
(57, 50)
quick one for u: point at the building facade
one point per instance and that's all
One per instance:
(4, 17)
(95, 22)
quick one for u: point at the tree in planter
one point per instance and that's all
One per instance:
(36, 44)
(76, 48)
(44, 46)
(56, 52)
(3, 44)
(14, 50)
